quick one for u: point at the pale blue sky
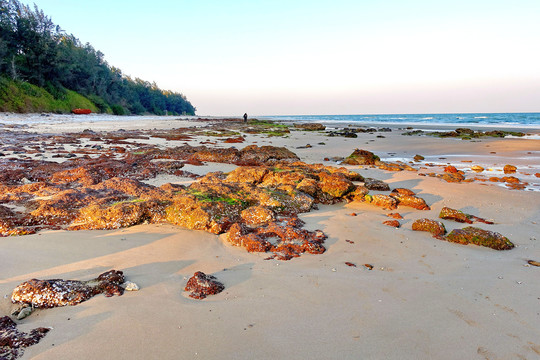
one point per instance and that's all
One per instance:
(321, 57)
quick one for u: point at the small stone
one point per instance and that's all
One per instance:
(509, 169)
(350, 264)
(25, 312)
(533, 263)
(131, 286)
(392, 223)
(418, 158)
(368, 266)
(477, 168)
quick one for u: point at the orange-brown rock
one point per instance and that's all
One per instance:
(436, 228)
(410, 201)
(509, 169)
(392, 223)
(459, 216)
(395, 216)
(384, 201)
(285, 238)
(336, 184)
(257, 215)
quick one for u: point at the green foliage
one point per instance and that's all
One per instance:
(18, 96)
(36, 51)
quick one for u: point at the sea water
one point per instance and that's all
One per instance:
(502, 120)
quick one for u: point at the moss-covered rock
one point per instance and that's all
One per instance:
(477, 236)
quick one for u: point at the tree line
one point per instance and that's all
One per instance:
(36, 51)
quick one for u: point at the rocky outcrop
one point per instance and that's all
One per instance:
(477, 236)
(201, 285)
(13, 342)
(310, 126)
(58, 292)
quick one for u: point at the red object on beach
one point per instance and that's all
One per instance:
(81, 111)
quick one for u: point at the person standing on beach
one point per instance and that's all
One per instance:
(245, 117)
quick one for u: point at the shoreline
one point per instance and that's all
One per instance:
(426, 297)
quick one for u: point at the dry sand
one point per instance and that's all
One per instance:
(424, 298)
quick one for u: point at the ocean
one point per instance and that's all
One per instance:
(506, 120)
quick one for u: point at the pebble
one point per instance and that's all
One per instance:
(131, 286)
(24, 312)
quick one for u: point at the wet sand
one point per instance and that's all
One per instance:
(424, 298)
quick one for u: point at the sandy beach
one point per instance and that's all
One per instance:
(423, 298)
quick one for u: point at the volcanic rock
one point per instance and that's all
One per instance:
(13, 342)
(202, 285)
(58, 292)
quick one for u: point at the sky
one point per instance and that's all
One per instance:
(297, 57)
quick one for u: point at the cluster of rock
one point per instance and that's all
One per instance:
(465, 236)
(466, 133)
(13, 342)
(365, 157)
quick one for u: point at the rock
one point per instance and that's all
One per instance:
(395, 215)
(477, 168)
(257, 215)
(533, 263)
(456, 215)
(453, 177)
(131, 286)
(403, 191)
(384, 201)
(202, 285)
(436, 228)
(361, 157)
(409, 200)
(509, 169)
(418, 158)
(477, 236)
(358, 194)
(537, 175)
(13, 342)
(336, 184)
(289, 239)
(310, 126)
(25, 312)
(377, 185)
(350, 264)
(368, 266)
(57, 292)
(392, 223)
(459, 216)
(450, 169)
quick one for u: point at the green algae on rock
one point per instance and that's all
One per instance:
(477, 236)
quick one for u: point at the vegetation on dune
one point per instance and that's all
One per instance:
(42, 68)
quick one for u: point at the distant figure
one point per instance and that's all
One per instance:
(245, 117)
